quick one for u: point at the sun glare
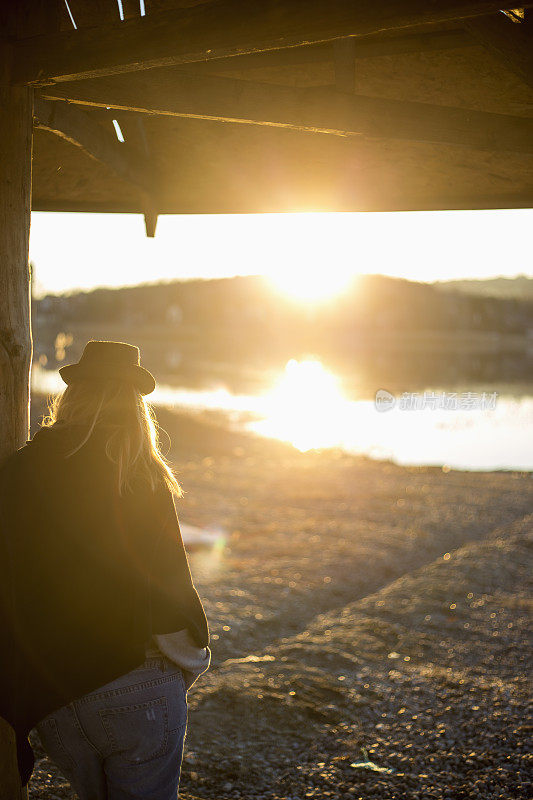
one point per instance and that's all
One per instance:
(306, 407)
(310, 285)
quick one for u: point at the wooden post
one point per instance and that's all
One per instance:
(16, 112)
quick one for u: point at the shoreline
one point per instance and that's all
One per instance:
(202, 429)
(328, 568)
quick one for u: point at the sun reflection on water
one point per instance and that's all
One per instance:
(306, 407)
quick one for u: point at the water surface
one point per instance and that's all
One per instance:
(484, 428)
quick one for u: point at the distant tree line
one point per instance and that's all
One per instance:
(250, 307)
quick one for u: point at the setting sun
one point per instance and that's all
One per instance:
(309, 256)
(310, 285)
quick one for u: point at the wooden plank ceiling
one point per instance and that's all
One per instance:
(228, 107)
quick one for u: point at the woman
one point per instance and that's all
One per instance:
(102, 630)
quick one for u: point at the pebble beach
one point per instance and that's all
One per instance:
(370, 624)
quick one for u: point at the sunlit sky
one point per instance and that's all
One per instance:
(71, 251)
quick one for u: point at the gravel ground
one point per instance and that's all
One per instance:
(369, 626)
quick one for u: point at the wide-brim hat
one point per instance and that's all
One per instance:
(116, 360)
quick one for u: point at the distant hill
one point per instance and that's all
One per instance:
(520, 288)
(247, 307)
(250, 303)
(247, 319)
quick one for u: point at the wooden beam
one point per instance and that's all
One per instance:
(367, 47)
(315, 110)
(77, 127)
(214, 202)
(15, 332)
(94, 13)
(511, 43)
(15, 322)
(23, 18)
(345, 51)
(150, 222)
(133, 128)
(221, 29)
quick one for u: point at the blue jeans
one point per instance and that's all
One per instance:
(124, 740)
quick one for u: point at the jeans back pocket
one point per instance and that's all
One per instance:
(139, 732)
(51, 740)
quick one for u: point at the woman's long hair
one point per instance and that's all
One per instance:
(133, 440)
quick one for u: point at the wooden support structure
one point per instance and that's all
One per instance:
(345, 51)
(70, 122)
(15, 320)
(208, 32)
(511, 43)
(132, 126)
(150, 222)
(371, 46)
(84, 69)
(315, 110)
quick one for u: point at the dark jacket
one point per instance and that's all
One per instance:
(86, 577)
